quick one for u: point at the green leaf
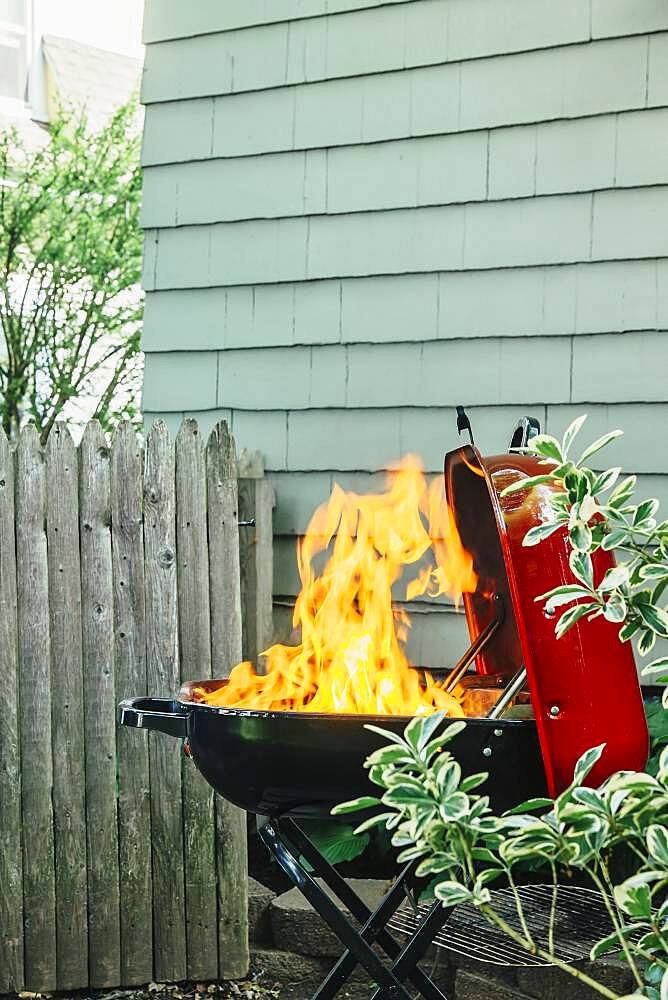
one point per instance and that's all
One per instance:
(562, 595)
(654, 618)
(473, 781)
(420, 730)
(615, 610)
(653, 571)
(447, 736)
(633, 897)
(589, 797)
(526, 484)
(573, 615)
(614, 539)
(381, 819)
(645, 511)
(580, 536)
(622, 492)
(454, 807)
(656, 666)
(598, 444)
(570, 433)
(610, 943)
(605, 481)
(663, 994)
(657, 843)
(337, 842)
(539, 532)
(448, 776)
(452, 893)
(586, 762)
(387, 735)
(628, 630)
(355, 805)
(582, 567)
(547, 446)
(646, 641)
(530, 805)
(616, 576)
(389, 755)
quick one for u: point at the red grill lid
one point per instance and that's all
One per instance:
(584, 686)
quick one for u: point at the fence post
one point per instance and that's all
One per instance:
(256, 502)
(223, 515)
(11, 868)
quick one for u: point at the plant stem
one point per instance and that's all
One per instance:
(593, 874)
(552, 959)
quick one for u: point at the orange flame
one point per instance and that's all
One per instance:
(351, 658)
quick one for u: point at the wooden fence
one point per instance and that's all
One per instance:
(120, 575)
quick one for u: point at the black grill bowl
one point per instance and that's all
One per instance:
(274, 763)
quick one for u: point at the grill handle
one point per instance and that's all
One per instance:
(154, 713)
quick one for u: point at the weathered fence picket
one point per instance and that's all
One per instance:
(67, 709)
(32, 579)
(162, 671)
(100, 701)
(195, 661)
(225, 597)
(134, 807)
(120, 576)
(256, 501)
(11, 868)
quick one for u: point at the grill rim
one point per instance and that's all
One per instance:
(188, 704)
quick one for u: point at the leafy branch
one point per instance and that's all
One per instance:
(439, 820)
(599, 512)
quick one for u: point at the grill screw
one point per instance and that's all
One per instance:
(487, 751)
(554, 711)
(498, 732)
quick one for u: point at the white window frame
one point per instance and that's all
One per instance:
(18, 107)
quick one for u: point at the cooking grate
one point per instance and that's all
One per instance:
(581, 921)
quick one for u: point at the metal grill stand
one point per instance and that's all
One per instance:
(289, 845)
(581, 920)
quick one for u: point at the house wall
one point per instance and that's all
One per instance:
(360, 213)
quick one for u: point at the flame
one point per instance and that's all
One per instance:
(351, 658)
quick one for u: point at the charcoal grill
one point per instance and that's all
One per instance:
(540, 703)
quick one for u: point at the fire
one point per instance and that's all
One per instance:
(351, 658)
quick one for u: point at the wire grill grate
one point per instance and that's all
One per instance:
(581, 920)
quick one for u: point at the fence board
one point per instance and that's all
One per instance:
(195, 663)
(67, 709)
(224, 576)
(134, 809)
(223, 550)
(11, 869)
(100, 699)
(39, 895)
(256, 559)
(163, 677)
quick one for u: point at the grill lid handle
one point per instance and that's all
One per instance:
(154, 713)
(527, 428)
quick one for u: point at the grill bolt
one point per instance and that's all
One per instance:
(554, 711)
(487, 751)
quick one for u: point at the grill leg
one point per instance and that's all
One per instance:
(331, 914)
(373, 928)
(413, 951)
